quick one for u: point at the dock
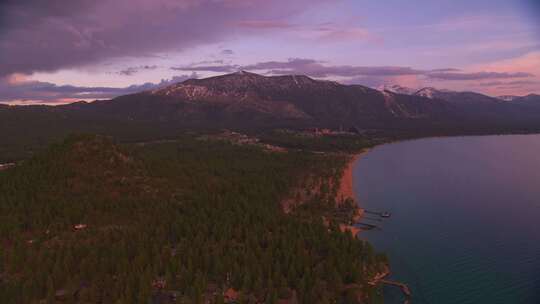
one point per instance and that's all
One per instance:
(380, 278)
(366, 226)
(372, 219)
(379, 218)
(404, 288)
(378, 213)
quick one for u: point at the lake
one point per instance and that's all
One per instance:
(465, 224)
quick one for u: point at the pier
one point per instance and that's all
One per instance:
(404, 288)
(378, 218)
(372, 219)
(379, 213)
(380, 279)
(366, 226)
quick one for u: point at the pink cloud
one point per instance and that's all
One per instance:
(21, 90)
(38, 36)
(264, 24)
(527, 63)
(341, 34)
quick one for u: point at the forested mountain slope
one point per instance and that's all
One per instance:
(89, 221)
(251, 102)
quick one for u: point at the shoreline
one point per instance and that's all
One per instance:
(346, 191)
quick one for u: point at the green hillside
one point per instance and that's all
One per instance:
(191, 220)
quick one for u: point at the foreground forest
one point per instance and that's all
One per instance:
(190, 220)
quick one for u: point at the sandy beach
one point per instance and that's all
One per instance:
(346, 190)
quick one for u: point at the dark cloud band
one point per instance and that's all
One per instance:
(477, 76)
(38, 35)
(46, 92)
(316, 68)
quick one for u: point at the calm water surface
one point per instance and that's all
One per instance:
(465, 225)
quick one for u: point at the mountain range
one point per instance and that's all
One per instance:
(455, 96)
(246, 100)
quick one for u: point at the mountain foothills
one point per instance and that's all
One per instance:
(248, 101)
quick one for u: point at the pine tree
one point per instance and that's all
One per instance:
(219, 299)
(51, 292)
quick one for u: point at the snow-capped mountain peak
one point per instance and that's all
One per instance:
(396, 88)
(507, 97)
(428, 92)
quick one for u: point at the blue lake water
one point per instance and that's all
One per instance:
(465, 225)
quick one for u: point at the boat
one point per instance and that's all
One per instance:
(385, 214)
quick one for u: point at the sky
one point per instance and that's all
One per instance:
(60, 51)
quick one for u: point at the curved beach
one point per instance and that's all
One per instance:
(346, 191)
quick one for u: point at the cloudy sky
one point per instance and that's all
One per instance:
(58, 51)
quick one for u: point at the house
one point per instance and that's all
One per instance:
(230, 295)
(6, 166)
(80, 226)
(159, 283)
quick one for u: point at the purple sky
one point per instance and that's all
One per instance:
(59, 51)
